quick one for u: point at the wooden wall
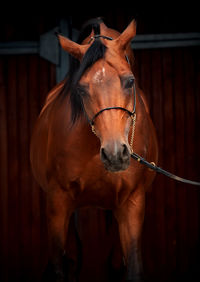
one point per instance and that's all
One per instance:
(171, 81)
(24, 82)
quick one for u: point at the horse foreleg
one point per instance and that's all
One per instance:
(130, 218)
(58, 213)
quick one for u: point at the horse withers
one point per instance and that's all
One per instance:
(79, 167)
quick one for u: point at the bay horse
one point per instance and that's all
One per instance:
(79, 167)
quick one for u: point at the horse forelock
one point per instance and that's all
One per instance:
(95, 52)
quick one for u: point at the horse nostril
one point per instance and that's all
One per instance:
(125, 152)
(119, 155)
(104, 156)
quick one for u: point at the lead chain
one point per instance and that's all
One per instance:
(93, 129)
(133, 131)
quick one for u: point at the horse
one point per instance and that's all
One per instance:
(83, 138)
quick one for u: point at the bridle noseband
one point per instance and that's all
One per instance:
(131, 114)
(110, 108)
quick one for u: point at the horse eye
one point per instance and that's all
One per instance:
(81, 91)
(129, 83)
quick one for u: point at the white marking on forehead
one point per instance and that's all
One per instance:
(99, 75)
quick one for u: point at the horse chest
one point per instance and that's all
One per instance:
(102, 193)
(89, 184)
(97, 187)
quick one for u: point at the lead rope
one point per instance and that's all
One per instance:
(152, 166)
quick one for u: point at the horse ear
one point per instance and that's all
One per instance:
(125, 37)
(73, 48)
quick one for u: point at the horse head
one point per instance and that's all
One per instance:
(104, 85)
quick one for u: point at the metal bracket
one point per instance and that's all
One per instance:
(52, 51)
(64, 58)
(49, 46)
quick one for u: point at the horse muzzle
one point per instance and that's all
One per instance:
(115, 156)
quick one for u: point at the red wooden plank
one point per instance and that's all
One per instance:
(169, 160)
(196, 61)
(158, 187)
(38, 224)
(13, 169)
(179, 96)
(43, 89)
(143, 62)
(24, 171)
(136, 66)
(34, 189)
(145, 73)
(190, 150)
(3, 176)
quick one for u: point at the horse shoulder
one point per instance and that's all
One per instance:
(53, 94)
(42, 134)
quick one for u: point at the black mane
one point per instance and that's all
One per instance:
(95, 52)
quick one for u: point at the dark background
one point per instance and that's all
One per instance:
(170, 78)
(164, 17)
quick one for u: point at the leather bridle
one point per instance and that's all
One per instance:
(131, 114)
